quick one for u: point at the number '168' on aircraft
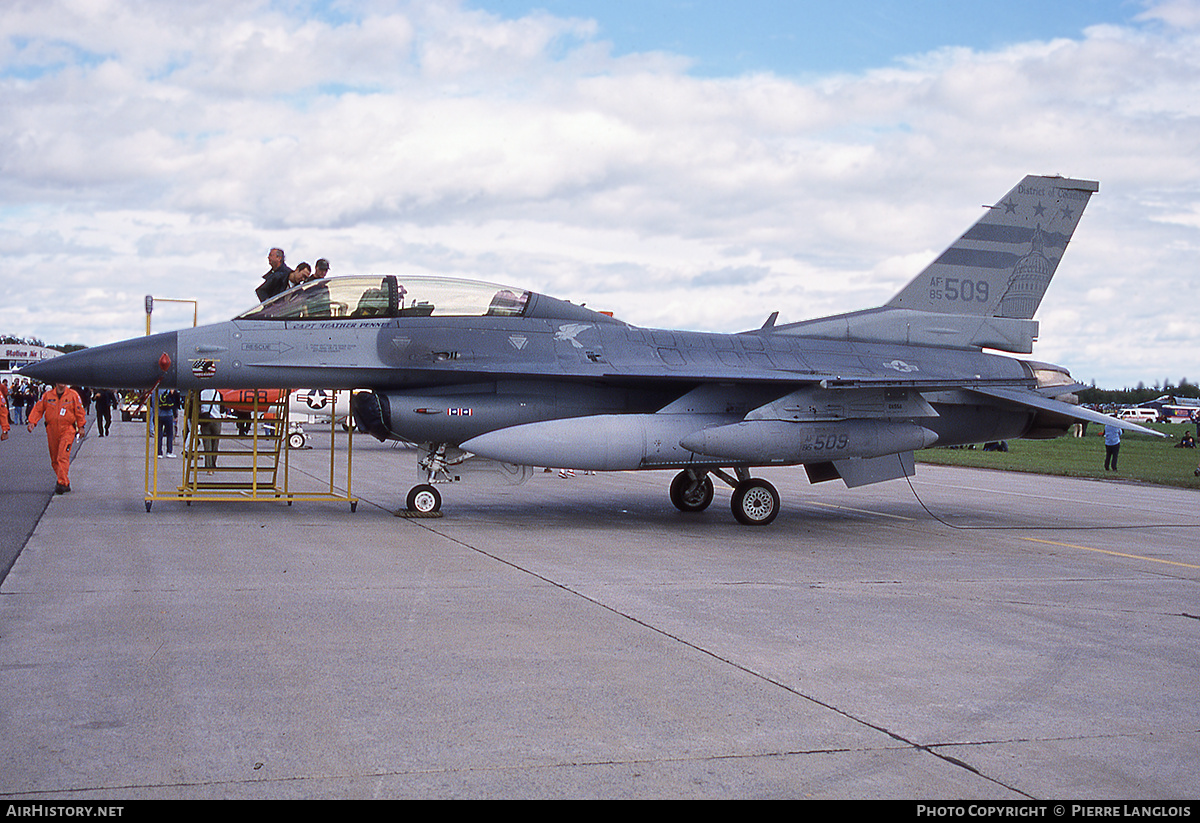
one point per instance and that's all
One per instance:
(479, 373)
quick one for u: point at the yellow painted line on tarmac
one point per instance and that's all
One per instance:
(861, 511)
(1114, 554)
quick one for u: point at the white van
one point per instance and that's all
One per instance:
(1138, 415)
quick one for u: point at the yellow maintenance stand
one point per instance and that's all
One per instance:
(238, 459)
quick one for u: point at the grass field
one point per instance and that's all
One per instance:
(1142, 458)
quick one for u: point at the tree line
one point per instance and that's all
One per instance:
(1139, 394)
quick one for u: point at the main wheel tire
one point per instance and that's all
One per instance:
(296, 440)
(755, 502)
(424, 499)
(690, 494)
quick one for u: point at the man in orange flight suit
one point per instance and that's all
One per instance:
(4, 425)
(64, 415)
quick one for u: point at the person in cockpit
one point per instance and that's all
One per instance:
(301, 274)
(275, 280)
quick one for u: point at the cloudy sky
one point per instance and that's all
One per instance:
(682, 163)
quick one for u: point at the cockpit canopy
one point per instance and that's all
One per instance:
(362, 296)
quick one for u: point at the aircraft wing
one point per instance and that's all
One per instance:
(1033, 400)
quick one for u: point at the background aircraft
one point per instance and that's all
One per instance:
(475, 371)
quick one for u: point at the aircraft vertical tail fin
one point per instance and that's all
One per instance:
(1002, 265)
(983, 291)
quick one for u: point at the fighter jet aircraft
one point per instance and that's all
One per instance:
(479, 372)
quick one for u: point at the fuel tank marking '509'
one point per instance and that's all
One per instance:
(479, 374)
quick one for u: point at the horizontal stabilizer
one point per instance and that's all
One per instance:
(1060, 390)
(1033, 400)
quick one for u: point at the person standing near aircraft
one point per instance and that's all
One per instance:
(168, 405)
(106, 401)
(210, 426)
(16, 403)
(65, 420)
(275, 280)
(1112, 446)
(4, 425)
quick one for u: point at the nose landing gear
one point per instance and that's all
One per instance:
(424, 499)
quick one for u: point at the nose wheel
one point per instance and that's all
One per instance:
(424, 499)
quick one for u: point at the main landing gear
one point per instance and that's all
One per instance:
(755, 502)
(692, 490)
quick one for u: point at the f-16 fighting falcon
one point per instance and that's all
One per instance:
(478, 372)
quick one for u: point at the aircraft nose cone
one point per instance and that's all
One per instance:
(130, 364)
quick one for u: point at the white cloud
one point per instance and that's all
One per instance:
(1179, 14)
(162, 147)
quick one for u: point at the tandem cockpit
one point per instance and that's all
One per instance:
(384, 296)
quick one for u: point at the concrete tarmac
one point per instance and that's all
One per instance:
(578, 638)
(26, 486)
